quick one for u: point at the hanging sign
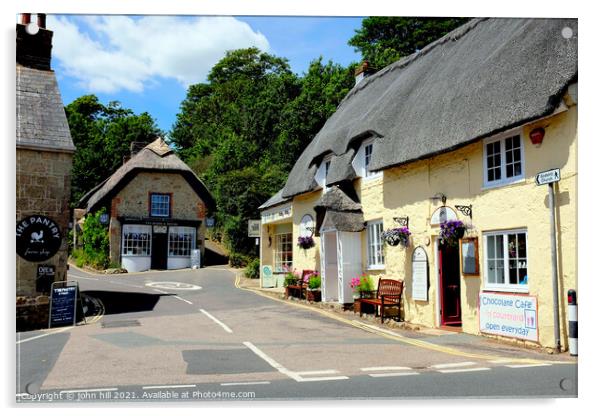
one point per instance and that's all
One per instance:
(549, 176)
(38, 238)
(45, 278)
(508, 315)
(63, 303)
(254, 228)
(443, 214)
(420, 271)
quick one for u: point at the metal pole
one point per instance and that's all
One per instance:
(554, 264)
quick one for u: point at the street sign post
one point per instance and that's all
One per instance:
(550, 177)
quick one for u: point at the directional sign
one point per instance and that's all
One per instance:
(549, 176)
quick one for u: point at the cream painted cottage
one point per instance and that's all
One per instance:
(457, 131)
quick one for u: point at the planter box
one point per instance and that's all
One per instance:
(314, 295)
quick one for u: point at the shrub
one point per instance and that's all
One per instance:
(238, 260)
(314, 282)
(95, 243)
(252, 270)
(291, 278)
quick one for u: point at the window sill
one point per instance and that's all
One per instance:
(488, 186)
(507, 289)
(376, 267)
(135, 255)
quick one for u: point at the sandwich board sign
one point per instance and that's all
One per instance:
(549, 176)
(63, 304)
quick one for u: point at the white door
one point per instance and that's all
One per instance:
(349, 255)
(329, 263)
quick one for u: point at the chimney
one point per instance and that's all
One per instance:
(34, 42)
(135, 147)
(363, 71)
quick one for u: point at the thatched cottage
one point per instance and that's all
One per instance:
(458, 131)
(156, 209)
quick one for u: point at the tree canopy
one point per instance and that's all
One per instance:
(383, 40)
(102, 135)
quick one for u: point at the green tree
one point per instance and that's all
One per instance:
(95, 243)
(102, 135)
(384, 40)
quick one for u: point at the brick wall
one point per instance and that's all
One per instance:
(43, 186)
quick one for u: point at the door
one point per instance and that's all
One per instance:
(159, 251)
(350, 263)
(330, 275)
(449, 284)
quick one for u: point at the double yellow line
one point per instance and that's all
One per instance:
(397, 337)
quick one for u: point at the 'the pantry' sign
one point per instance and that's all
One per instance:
(508, 315)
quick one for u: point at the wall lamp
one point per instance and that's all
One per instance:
(439, 197)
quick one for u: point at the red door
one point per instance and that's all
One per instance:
(449, 285)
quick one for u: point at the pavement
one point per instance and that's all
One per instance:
(209, 334)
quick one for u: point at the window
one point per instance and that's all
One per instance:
(283, 259)
(506, 261)
(362, 160)
(322, 172)
(160, 205)
(326, 168)
(503, 160)
(376, 255)
(181, 241)
(136, 240)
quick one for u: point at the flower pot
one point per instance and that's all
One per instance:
(314, 295)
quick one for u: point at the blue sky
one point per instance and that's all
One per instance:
(146, 63)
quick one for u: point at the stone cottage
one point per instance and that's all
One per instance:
(156, 208)
(44, 151)
(458, 131)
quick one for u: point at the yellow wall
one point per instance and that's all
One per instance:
(305, 259)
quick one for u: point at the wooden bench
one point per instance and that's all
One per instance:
(301, 286)
(388, 294)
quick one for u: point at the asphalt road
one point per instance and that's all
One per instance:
(192, 335)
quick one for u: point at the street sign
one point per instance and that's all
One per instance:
(254, 228)
(63, 304)
(549, 176)
(210, 222)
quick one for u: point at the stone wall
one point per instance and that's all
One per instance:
(43, 186)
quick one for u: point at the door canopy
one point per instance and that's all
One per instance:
(339, 212)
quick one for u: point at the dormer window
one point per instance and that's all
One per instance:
(362, 160)
(322, 172)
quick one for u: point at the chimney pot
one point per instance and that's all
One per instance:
(42, 20)
(25, 18)
(363, 71)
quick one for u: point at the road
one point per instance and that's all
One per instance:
(193, 335)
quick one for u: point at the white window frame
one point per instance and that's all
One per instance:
(160, 204)
(373, 241)
(278, 263)
(506, 286)
(322, 173)
(177, 244)
(136, 243)
(504, 180)
(360, 165)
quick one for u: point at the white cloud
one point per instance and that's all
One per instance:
(125, 53)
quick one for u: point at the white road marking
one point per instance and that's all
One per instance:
(183, 300)
(177, 386)
(464, 370)
(453, 365)
(384, 368)
(217, 321)
(272, 362)
(412, 373)
(527, 365)
(44, 335)
(303, 379)
(88, 390)
(245, 383)
(316, 372)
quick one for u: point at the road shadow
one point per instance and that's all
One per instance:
(125, 302)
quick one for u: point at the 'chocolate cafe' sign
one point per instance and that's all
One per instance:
(38, 238)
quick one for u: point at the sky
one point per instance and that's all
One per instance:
(148, 62)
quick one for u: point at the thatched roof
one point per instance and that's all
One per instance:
(155, 157)
(339, 211)
(276, 199)
(41, 119)
(486, 76)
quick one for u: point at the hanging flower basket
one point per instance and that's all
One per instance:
(396, 236)
(306, 242)
(452, 231)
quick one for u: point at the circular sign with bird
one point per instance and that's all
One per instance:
(38, 238)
